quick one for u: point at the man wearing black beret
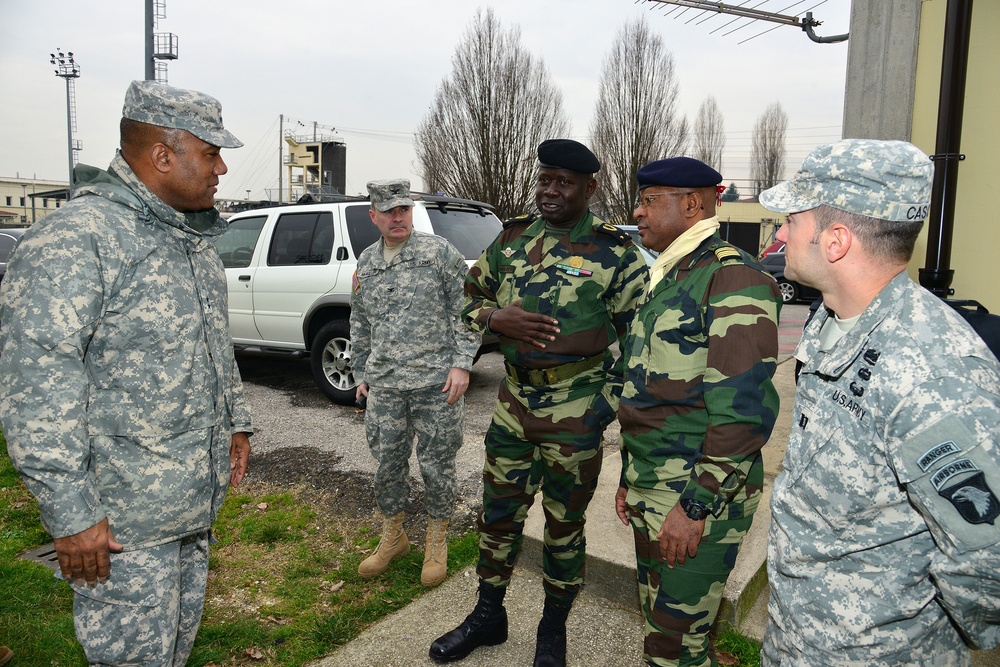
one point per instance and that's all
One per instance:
(697, 406)
(559, 287)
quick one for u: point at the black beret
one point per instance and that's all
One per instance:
(678, 172)
(568, 154)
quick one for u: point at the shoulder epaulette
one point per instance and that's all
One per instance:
(609, 229)
(525, 219)
(728, 255)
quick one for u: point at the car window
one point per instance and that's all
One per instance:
(6, 245)
(467, 230)
(236, 245)
(360, 228)
(302, 238)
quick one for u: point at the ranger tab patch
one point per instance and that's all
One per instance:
(971, 495)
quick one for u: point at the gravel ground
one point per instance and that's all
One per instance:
(303, 438)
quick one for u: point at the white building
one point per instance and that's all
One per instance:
(24, 201)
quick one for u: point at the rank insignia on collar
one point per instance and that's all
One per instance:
(576, 262)
(507, 252)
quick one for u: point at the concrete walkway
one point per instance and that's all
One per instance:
(605, 627)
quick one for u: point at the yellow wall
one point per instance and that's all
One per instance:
(752, 212)
(976, 231)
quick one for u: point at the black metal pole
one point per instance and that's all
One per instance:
(937, 273)
(150, 61)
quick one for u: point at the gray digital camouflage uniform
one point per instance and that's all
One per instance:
(120, 392)
(884, 547)
(406, 334)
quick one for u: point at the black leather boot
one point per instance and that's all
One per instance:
(485, 626)
(550, 646)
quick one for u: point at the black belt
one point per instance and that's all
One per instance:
(543, 376)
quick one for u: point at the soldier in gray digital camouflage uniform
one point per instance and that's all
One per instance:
(412, 356)
(120, 398)
(884, 547)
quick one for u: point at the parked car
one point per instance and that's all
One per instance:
(791, 291)
(647, 254)
(289, 270)
(777, 246)
(9, 238)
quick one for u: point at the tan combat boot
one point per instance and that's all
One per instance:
(435, 552)
(392, 546)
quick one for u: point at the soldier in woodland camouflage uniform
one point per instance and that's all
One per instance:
(697, 407)
(120, 398)
(412, 355)
(558, 289)
(885, 546)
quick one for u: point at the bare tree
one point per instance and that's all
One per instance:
(635, 121)
(767, 148)
(479, 138)
(709, 134)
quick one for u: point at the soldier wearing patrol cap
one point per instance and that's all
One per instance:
(559, 287)
(412, 356)
(697, 407)
(884, 546)
(121, 401)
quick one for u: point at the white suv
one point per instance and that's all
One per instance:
(289, 271)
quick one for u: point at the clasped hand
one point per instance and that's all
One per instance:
(516, 323)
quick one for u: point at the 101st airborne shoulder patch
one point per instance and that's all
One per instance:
(964, 485)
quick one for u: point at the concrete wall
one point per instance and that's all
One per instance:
(881, 66)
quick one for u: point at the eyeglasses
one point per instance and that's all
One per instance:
(644, 201)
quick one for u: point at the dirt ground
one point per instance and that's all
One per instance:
(341, 496)
(304, 440)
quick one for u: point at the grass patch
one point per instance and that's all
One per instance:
(283, 581)
(746, 650)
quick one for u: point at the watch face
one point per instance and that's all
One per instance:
(695, 510)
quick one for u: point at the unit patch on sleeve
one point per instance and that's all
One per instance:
(964, 486)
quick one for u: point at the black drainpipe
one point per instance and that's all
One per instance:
(937, 273)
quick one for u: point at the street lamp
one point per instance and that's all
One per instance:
(68, 69)
(24, 202)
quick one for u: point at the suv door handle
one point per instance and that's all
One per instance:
(245, 278)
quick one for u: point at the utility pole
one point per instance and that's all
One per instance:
(68, 69)
(159, 45)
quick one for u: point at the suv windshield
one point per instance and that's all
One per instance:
(467, 230)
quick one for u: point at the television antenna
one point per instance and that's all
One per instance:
(707, 9)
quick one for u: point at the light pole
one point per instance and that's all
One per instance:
(24, 202)
(68, 69)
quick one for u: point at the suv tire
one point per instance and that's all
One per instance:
(789, 290)
(332, 365)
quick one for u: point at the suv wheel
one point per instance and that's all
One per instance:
(332, 366)
(789, 291)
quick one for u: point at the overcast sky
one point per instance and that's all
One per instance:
(370, 70)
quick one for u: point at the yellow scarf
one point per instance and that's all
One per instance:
(682, 245)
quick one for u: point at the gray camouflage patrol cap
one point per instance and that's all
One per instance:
(887, 180)
(386, 195)
(166, 106)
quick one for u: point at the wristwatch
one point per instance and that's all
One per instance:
(695, 509)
